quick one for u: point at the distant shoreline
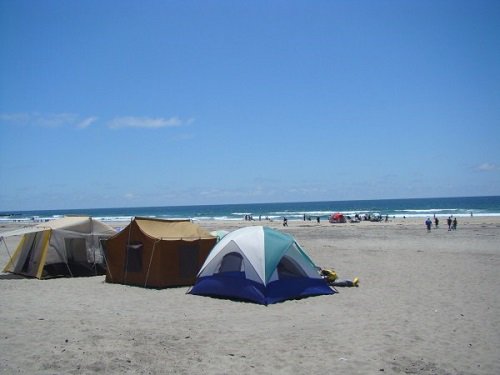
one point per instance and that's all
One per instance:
(294, 211)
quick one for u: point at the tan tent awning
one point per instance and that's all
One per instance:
(167, 229)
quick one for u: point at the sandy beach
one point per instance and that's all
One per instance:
(428, 303)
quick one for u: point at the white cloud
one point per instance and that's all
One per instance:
(47, 120)
(85, 123)
(54, 120)
(487, 167)
(14, 117)
(144, 122)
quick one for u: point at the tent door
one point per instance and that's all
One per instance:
(134, 257)
(288, 267)
(34, 241)
(188, 259)
(231, 263)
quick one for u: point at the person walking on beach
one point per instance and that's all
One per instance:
(285, 222)
(454, 224)
(428, 223)
(436, 221)
(449, 223)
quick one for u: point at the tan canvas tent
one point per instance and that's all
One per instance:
(157, 253)
(70, 246)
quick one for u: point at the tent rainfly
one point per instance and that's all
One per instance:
(70, 246)
(157, 253)
(261, 265)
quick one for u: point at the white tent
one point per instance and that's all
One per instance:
(261, 265)
(70, 246)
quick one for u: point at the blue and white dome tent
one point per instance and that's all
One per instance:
(261, 265)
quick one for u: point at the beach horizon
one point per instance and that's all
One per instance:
(295, 211)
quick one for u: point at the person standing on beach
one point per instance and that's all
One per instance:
(428, 223)
(436, 221)
(454, 224)
(449, 223)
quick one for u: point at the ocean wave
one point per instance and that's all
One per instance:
(114, 218)
(301, 213)
(430, 210)
(446, 215)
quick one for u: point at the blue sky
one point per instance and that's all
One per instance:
(146, 103)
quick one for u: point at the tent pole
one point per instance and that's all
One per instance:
(6, 248)
(92, 241)
(44, 254)
(126, 252)
(150, 261)
(106, 261)
(15, 256)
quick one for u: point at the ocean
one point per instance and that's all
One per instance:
(419, 207)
